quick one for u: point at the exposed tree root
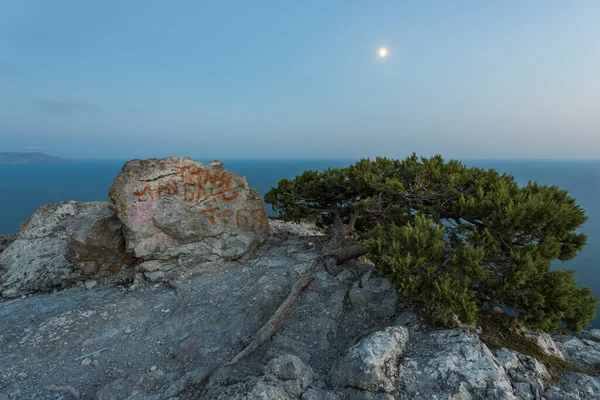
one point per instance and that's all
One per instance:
(268, 329)
(334, 254)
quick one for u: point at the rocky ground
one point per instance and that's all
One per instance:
(347, 337)
(6, 240)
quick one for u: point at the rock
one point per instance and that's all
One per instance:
(592, 334)
(295, 229)
(546, 343)
(176, 206)
(69, 391)
(86, 361)
(585, 386)
(156, 276)
(375, 293)
(89, 285)
(150, 266)
(523, 390)
(264, 391)
(6, 240)
(356, 394)
(62, 244)
(320, 394)
(371, 364)
(580, 353)
(290, 367)
(441, 361)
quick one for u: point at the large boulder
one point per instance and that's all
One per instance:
(371, 364)
(175, 206)
(61, 244)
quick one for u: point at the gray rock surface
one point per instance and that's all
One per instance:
(583, 352)
(176, 206)
(592, 334)
(128, 337)
(61, 244)
(6, 240)
(546, 344)
(446, 363)
(371, 364)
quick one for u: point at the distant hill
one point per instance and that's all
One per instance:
(31, 158)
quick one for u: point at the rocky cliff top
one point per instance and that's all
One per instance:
(120, 317)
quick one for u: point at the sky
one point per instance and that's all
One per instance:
(283, 79)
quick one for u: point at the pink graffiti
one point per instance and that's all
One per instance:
(163, 238)
(143, 212)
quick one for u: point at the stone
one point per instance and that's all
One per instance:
(441, 361)
(295, 229)
(86, 361)
(585, 386)
(546, 343)
(523, 390)
(592, 334)
(69, 391)
(356, 394)
(61, 244)
(176, 206)
(264, 391)
(320, 394)
(290, 367)
(89, 285)
(150, 266)
(375, 293)
(580, 353)
(156, 276)
(6, 241)
(371, 364)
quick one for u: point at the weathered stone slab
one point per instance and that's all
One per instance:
(60, 244)
(176, 206)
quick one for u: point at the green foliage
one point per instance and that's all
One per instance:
(454, 237)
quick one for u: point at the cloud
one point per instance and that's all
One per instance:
(63, 107)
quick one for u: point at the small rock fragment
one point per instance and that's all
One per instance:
(90, 284)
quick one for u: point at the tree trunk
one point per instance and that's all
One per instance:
(347, 253)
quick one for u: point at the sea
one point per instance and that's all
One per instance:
(24, 188)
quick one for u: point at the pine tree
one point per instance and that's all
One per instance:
(452, 238)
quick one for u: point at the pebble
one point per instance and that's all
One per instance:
(86, 361)
(22, 376)
(153, 368)
(95, 363)
(128, 331)
(90, 284)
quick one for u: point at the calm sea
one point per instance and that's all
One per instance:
(26, 187)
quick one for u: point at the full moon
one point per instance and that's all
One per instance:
(382, 52)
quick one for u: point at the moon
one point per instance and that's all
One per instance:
(382, 52)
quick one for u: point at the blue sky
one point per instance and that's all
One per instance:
(466, 79)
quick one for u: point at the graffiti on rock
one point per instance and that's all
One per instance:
(198, 185)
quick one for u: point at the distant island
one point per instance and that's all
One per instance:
(31, 158)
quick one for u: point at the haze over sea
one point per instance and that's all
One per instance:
(26, 187)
